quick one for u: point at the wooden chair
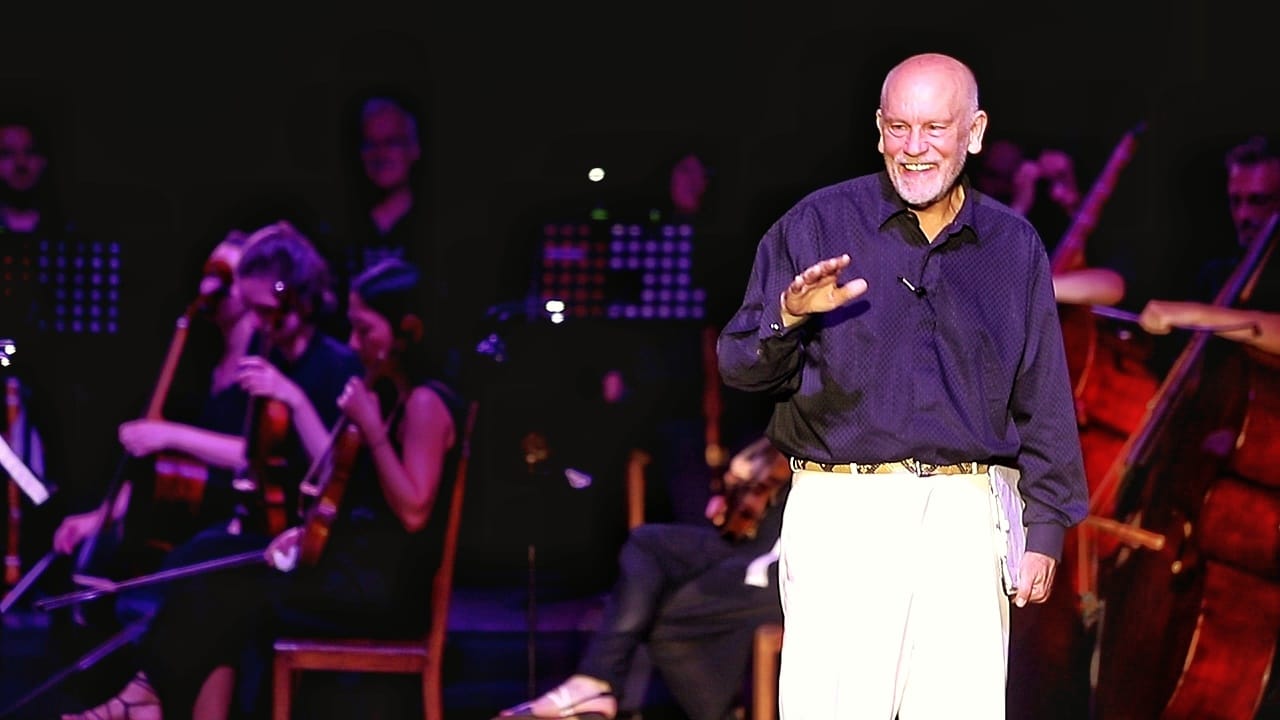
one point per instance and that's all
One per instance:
(766, 652)
(418, 655)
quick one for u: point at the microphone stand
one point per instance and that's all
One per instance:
(534, 446)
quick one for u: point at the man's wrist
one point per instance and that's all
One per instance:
(787, 318)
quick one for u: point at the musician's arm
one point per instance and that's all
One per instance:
(146, 437)
(1088, 286)
(410, 483)
(1252, 327)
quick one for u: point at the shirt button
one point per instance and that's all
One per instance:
(776, 327)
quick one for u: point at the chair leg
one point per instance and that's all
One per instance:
(432, 698)
(282, 694)
(764, 669)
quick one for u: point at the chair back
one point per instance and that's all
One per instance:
(442, 583)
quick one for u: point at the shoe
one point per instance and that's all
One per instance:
(571, 701)
(117, 707)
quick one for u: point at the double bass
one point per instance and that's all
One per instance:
(1050, 643)
(1190, 585)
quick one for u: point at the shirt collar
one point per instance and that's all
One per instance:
(890, 204)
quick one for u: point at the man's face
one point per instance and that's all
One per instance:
(1253, 195)
(21, 165)
(389, 149)
(926, 133)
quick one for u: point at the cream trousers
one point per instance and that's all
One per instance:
(893, 599)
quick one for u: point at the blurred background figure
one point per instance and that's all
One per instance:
(1253, 196)
(389, 220)
(1042, 188)
(31, 222)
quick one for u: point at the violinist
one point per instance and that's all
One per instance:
(371, 578)
(694, 594)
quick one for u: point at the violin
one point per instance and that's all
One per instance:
(270, 422)
(263, 500)
(344, 447)
(319, 519)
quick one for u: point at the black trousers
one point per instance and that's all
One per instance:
(680, 589)
(231, 617)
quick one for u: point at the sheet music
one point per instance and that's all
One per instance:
(21, 474)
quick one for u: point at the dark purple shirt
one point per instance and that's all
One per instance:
(953, 354)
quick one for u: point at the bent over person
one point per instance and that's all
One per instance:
(908, 330)
(694, 593)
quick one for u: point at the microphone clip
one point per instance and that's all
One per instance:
(916, 290)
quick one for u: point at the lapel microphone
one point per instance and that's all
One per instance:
(919, 291)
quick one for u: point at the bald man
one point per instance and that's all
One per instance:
(909, 332)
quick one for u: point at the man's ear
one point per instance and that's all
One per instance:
(976, 132)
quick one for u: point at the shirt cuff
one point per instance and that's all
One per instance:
(772, 325)
(1046, 539)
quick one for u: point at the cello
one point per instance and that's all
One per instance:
(1190, 590)
(1079, 328)
(177, 481)
(1050, 642)
(174, 485)
(1110, 377)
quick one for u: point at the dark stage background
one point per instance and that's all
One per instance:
(165, 131)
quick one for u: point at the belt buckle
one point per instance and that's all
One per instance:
(921, 469)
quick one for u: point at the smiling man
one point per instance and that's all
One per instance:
(908, 331)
